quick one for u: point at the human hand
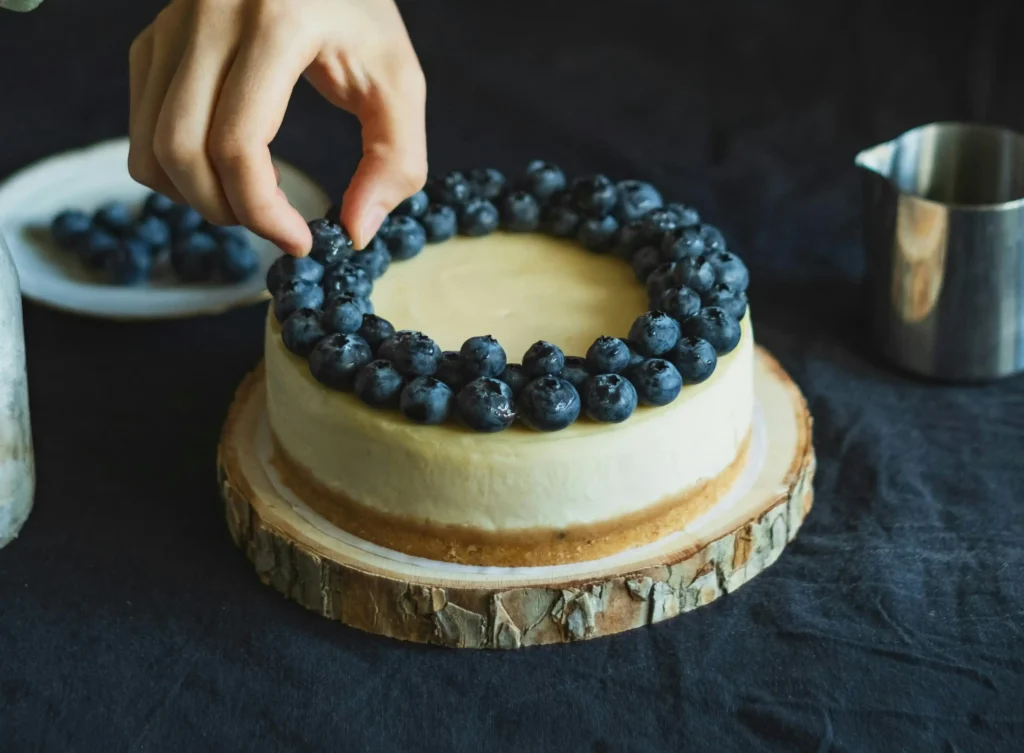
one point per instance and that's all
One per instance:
(210, 82)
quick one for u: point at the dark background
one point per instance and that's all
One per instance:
(128, 620)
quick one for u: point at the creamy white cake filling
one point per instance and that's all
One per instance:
(519, 289)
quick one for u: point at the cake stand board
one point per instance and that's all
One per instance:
(380, 591)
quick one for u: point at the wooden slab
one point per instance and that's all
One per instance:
(328, 571)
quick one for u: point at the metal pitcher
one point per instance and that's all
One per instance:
(944, 234)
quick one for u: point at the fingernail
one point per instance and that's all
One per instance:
(374, 217)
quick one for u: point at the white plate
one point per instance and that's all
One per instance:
(85, 179)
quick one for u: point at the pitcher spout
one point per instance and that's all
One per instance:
(877, 159)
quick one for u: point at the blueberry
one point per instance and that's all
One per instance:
(610, 398)
(375, 330)
(595, 196)
(482, 356)
(379, 384)
(452, 189)
(157, 205)
(634, 358)
(542, 179)
(608, 355)
(302, 331)
(479, 217)
(717, 327)
(333, 213)
(291, 268)
(520, 212)
(734, 302)
(413, 353)
(695, 359)
(427, 400)
(236, 260)
(645, 261)
(487, 183)
(331, 244)
(343, 315)
(576, 372)
(628, 240)
(657, 382)
(95, 246)
(730, 270)
(192, 257)
(183, 221)
(679, 303)
(685, 216)
(657, 224)
(659, 280)
(560, 221)
(415, 206)
(374, 259)
(514, 377)
(543, 359)
(69, 227)
(293, 295)
(695, 273)
(114, 217)
(597, 234)
(224, 233)
(636, 199)
(449, 370)
(349, 279)
(440, 223)
(654, 333)
(486, 404)
(713, 239)
(682, 242)
(152, 231)
(129, 263)
(548, 404)
(337, 359)
(404, 237)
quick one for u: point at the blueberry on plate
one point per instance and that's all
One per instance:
(679, 303)
(654, 333)
(560, 221)
(628, 240)
(730, 270)
(685, 216)
(374, 259)
(415, 206)
(404, 237)
(486, 405)
(192, 257)
(548, 404)
(716, 326)
(657, 224)
(659, 280)
(695, 273)
(293, 295)
(114, 217)
(608, 355)
(333, 213)
(379, 384)
(486, 182)
(349, 279)
(95, 246)
(479, 217)
(331, 244)
(609, 398)
(152, 231)
(636, 199)
(413, 353)
(657, 382)
(576, 372)
(288, 267)
(375, 330)
(129, 263)
(302, 331)
(542, 179)
(440, 223)
(515, 377)
(681, 242)
(157, 205)
(645, 261)
(453, 189)
(520, 212)
(236, 260)
(713, 239)
(694, 358)
(597, 233)
(635, 358)
(69, 227)
(427, 400)
(337, 359)
(595, 196)
(343, 314)
(543, 359)
(365, 305)
(734, 302)
(449, 370)
(482, 356)
(183, 221)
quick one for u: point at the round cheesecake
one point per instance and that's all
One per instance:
(518, 497)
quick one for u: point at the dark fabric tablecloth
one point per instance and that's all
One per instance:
(895, 621)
